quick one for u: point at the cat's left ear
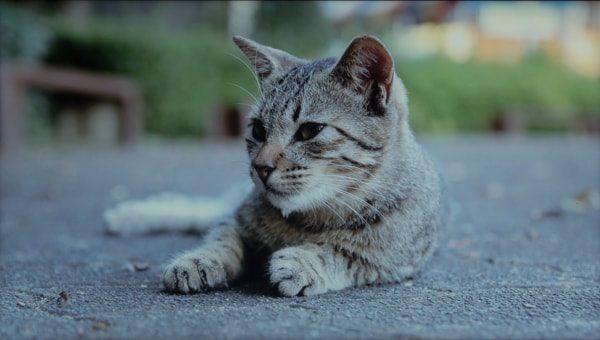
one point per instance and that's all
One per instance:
(367, 68)
(268, 62)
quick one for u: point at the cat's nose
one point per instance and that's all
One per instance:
(263, 171)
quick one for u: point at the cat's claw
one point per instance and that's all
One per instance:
(292, 273)
(194, 275)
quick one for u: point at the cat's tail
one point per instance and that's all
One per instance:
(173, 212)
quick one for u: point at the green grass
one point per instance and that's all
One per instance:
(450, 97)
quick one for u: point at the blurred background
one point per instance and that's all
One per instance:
(98, 72)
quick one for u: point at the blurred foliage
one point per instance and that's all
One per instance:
(188, 75)
(446, 96)
(184, 76)
(22, 35)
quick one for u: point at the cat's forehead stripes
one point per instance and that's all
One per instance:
(286, 92)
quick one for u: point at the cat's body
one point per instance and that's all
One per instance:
(343, 194)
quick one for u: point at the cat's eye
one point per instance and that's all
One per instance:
(308, 131)
(258, 130)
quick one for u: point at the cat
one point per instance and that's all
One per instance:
(343, 195)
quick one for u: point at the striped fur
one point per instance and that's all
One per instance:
(358, 203)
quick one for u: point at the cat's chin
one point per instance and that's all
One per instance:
(301, 202)
(285, 209)
(286, 205)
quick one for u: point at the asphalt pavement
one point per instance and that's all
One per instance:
(520, 259)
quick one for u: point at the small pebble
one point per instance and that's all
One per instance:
(100, 326)
(62, 299)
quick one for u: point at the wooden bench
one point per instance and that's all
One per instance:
(15, 80)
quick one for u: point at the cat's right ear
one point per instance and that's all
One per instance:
(367, 67)
(268, 62)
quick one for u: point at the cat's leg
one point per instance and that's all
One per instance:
(309, 269)
(213, 265)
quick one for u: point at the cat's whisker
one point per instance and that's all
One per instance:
(245, 164)
(340, 176)
(243, 89)
(361, 200)
(377, 211)
(252, 71)
(348, 205)
(350, 167)
(365, 187)
(360, 217)
(370, 184)
(333, 211)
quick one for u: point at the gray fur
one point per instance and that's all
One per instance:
(358, 204)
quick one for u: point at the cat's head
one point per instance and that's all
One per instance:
(321, 129)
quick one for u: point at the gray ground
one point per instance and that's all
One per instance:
(499, 272)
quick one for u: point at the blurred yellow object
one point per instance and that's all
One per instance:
(578, 49)
(459, 41)
(581, 51)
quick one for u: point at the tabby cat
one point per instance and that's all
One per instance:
(343, 195)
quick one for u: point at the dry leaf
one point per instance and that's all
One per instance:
(100, 326)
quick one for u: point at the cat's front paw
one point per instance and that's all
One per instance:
(194, 274)
(296, 271)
